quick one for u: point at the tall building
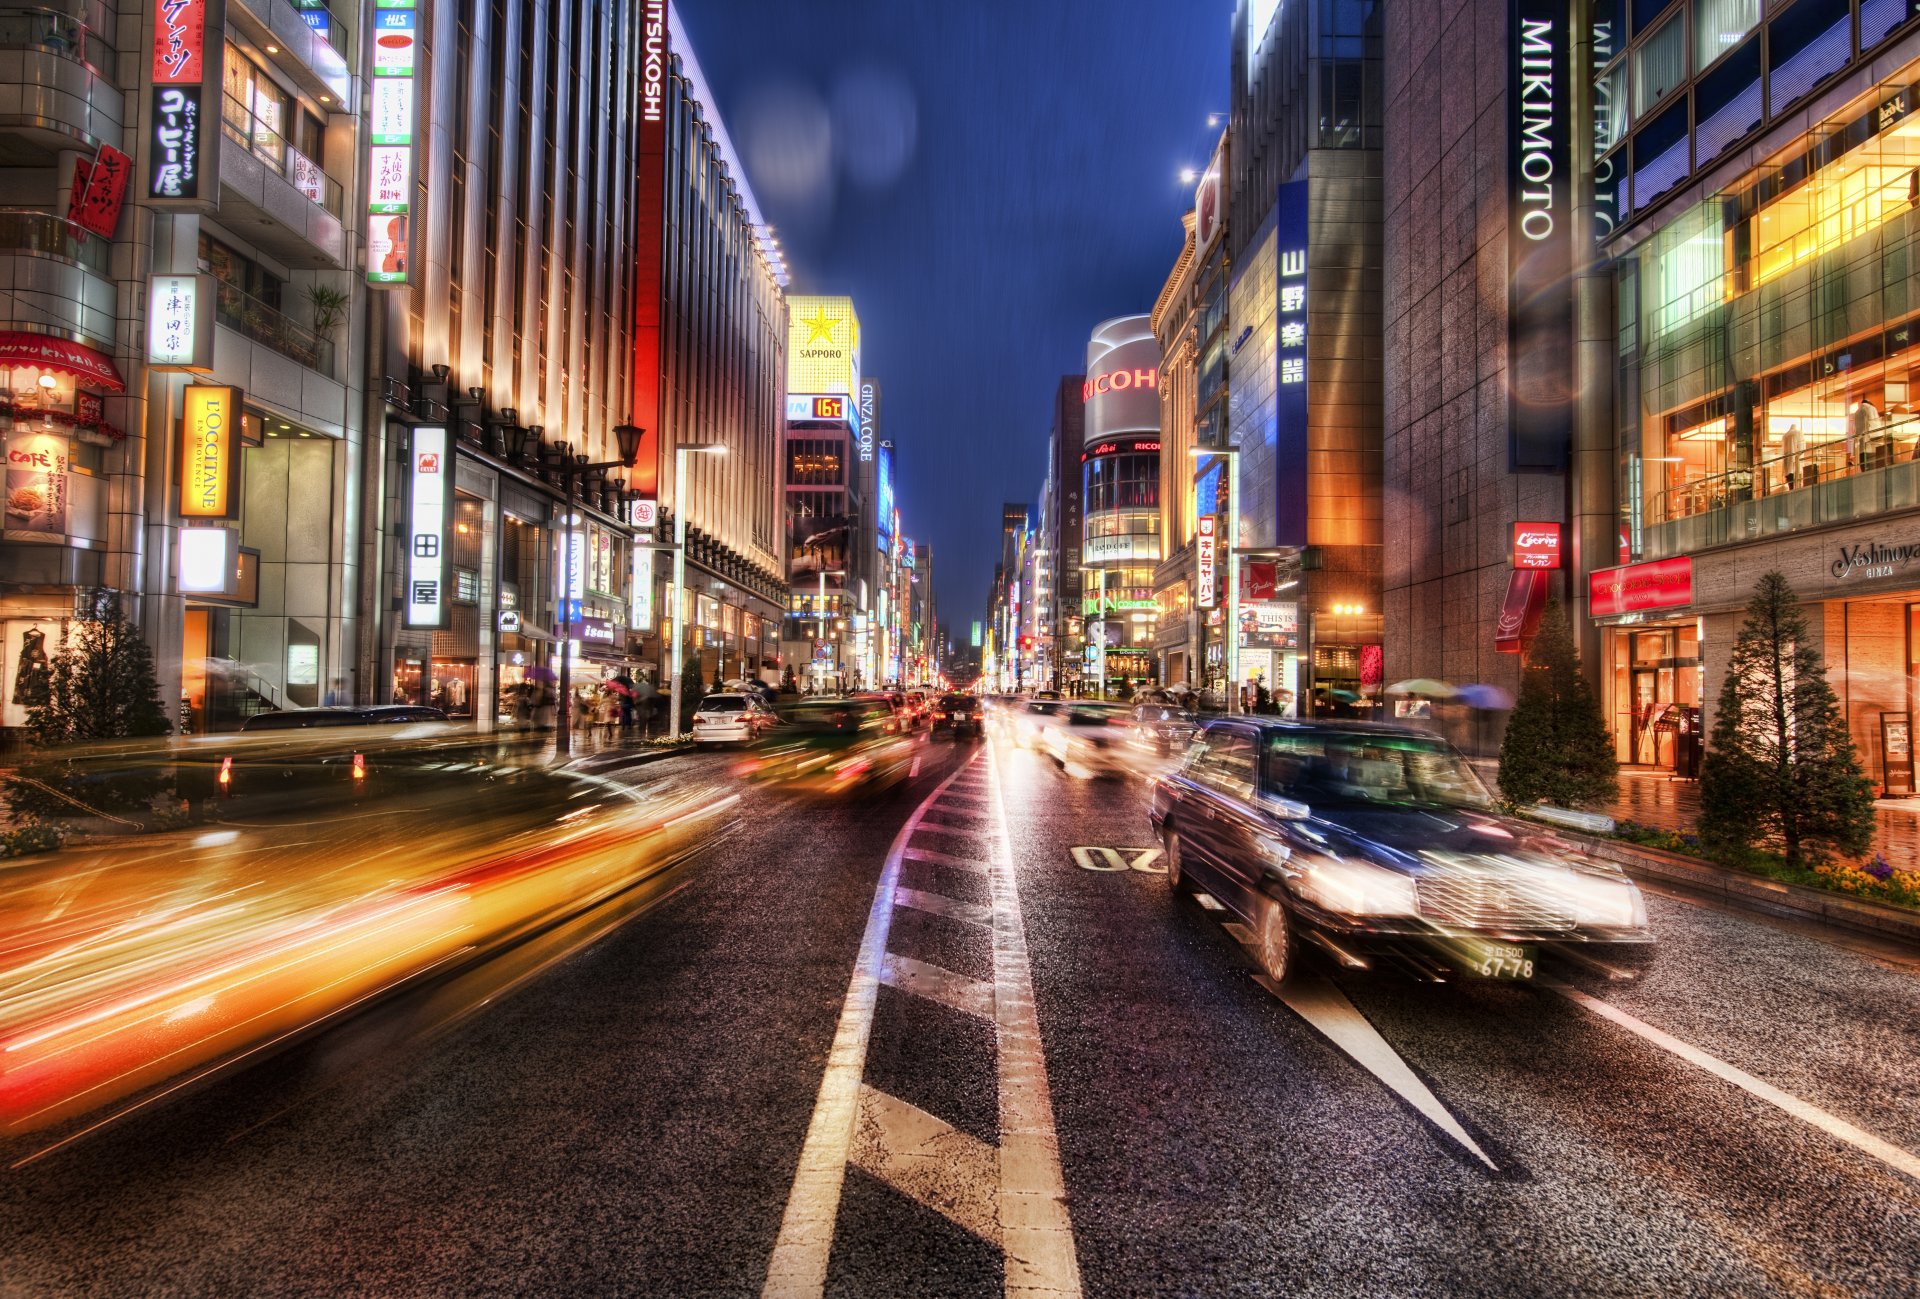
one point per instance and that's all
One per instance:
(1304, 302)
(1755, 199)
(832, 417)
(1064, 525)
(181, 385)
(1120, 479)
(577, 286)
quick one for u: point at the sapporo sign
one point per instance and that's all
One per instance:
(209, 452)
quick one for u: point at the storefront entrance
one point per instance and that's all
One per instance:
(1654, 681)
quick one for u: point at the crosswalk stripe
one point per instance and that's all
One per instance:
(934, 857)
(936, 983)
(940, 904)
(929, 1160)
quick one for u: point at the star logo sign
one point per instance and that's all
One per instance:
(820, 328)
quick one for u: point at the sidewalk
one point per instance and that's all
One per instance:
(1651, 798)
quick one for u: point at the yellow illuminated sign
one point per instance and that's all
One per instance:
(209, 443)
(823, 345)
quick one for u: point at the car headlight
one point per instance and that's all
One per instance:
(1350, 887)
(1603, 903)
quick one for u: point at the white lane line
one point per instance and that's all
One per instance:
(1886, 1152)
(929, 1160)
(798, 1266)
(936, 858)
(1038, 1230)
(940, 904)
(1327, 1009)
(937, 983)
(914, 769)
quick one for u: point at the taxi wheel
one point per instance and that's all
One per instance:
(1276, 952)
(1176, 878)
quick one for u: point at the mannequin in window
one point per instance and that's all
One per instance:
(1790, 455)
(1863, 433)
(33, 677)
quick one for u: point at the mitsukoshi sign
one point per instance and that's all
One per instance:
(1539, 220)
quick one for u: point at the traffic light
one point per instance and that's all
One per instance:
(1026, 642)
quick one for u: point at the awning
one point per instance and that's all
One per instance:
(1520, 612)
(18, 347)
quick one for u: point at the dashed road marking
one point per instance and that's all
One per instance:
(1012, 1195)
(1886, 1152)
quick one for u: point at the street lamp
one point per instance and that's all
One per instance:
(1232, 628)
(680, 452)
(627, 438)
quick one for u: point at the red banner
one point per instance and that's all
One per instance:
(17, 347)
(1258, 579)
(99, 190)
(649, 255)
(1660, 584)
(179, 42)
(1536, 545)
(1520, 611)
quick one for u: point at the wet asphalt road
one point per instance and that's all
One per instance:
(629, 1118)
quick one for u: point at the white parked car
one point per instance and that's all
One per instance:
(732, 719)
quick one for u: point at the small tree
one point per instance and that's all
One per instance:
(719, 674)
(789, 682)
(1557, 748)
(693, 688)
(101, 685)
(1781, 767)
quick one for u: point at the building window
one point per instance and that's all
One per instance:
(1660, 65)
(1719, 25)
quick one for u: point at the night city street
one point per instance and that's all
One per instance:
(711, 649)
(630, 1120)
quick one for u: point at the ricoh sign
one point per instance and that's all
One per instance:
(1539, 246)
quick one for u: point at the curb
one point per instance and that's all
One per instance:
(1758, 893)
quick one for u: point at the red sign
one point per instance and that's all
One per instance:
(18, 347)
(1659, 584)
(99, 189)
(1119, 381)
(179, 42)
(829, 407)
(1116, 447)
(1373, 668)
(1536, 545)
(1258, 579)
(649, 248)
(1205, 555)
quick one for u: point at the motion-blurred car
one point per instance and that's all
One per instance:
(1378, 843)
(897, 721)
(1032, 717)
(834, 747)
(1163, 729)
(732, 719)
(1090, 738)
(957, 714)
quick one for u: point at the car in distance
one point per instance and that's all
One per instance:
(1090, 738)
(1377, 843)
(732, 719)
(834, 747)
(957, 713)
(1163, 729)
(1032, 717)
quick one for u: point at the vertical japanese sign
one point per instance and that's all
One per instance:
(209, 451)
(99, 191)
(640, 599)
(429, 520)
(649, 218)
(183, 130)
(1206, 556)
(390, 142)
(180, 322)
(1290, 360)
(1539, 248)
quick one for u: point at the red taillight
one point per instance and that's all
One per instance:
(359, 766)
(226, 775)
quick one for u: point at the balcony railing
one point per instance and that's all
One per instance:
(335, 29)
(267, 144)
(24, 230)
(53, 32)
(269, 327)
(1829, 483)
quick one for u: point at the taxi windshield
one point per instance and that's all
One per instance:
(1354, 768)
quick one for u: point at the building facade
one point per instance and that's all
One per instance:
(1303, 415)
(1120, 485)
(587, 291)
(180, 353)
(1756, 166)
(1064, 526)
(832, 418)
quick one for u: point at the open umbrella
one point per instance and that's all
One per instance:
(1425, 687)
(1344, 696)
(1481, 695)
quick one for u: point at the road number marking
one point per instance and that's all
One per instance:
(1144, 860)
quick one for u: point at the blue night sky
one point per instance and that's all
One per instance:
(987, 179)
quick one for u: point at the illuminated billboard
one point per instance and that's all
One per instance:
(823, 346)
(1122, 387)
(884, 511)
(209, 447)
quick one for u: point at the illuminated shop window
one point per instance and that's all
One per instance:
(1853, 195)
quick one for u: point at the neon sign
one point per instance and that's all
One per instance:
(1119, 381)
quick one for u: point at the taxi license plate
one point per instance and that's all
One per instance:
(1499, 961)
